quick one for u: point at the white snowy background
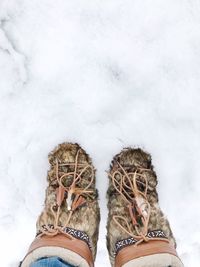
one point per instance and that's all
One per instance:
(105, 74)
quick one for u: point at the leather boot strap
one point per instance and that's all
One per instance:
(60, 240)
(145, 249)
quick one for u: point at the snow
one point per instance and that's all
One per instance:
(105, 74)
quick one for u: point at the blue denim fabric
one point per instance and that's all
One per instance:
(50, 262)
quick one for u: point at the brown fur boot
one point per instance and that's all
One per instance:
(138, 233)
(68, 225)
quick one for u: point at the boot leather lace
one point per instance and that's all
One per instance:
(79, 196)
(126, 184)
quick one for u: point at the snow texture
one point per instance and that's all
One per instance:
(105, 74)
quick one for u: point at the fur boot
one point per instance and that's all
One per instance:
(138, 233)
(68, 225)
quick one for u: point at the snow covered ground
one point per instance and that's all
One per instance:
(106, 74)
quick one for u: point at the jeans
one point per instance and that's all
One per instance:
(50, 262)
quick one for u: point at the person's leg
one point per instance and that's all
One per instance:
(68, 226)
(139, 234)
(50, 262)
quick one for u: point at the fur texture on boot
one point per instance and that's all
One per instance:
(135, 218)
(71, 204)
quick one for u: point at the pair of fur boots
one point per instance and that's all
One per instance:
(138, 233)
